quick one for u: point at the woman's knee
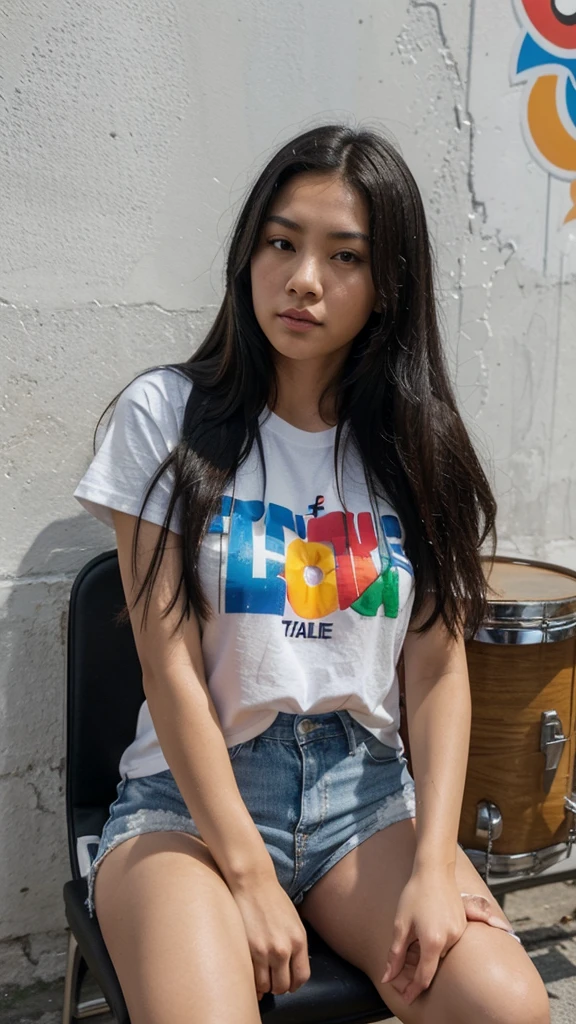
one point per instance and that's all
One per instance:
(511, 1000)
(502, 986)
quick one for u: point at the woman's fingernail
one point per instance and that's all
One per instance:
(497, 922)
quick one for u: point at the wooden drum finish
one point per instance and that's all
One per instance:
(522, 677)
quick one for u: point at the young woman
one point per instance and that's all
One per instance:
(296, 506)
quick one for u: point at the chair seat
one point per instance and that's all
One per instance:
(337, 992)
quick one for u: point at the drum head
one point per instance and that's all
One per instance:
(534, 602)
(519, 582)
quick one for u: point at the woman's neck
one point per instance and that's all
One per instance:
(299, 388)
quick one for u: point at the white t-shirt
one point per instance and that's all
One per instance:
(304, 621)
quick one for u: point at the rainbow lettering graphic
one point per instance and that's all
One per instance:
(318, 563)
(546, 61)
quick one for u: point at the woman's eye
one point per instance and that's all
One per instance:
(283, 245)
(279, 242)
(353, 257)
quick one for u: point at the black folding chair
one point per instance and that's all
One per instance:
(104, 695)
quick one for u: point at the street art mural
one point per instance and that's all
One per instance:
(545, 61)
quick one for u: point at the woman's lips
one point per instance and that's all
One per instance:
(298, 325)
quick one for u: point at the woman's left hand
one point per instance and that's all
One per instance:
(430, 918)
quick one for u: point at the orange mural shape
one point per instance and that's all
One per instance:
(571, 215)
(551, 138)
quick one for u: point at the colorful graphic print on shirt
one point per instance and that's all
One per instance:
(319, 563)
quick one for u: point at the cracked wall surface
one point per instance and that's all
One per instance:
(129, 133)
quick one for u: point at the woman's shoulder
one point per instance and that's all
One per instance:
(149, 411)
(158, 390)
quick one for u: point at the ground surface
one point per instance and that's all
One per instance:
(545, 918)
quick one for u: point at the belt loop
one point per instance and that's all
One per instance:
(348, 725)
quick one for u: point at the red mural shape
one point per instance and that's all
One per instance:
(548, 21)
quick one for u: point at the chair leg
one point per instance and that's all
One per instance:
(73, 1010)
(92, 1008)
(71, 981)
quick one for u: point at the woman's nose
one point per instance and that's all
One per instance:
(305, 278)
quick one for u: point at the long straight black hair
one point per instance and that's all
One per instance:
(393, 392)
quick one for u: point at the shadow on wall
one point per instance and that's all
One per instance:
(33, 846)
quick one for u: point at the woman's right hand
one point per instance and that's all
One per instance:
(276, 936)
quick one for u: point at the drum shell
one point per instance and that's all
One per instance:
(511, 685)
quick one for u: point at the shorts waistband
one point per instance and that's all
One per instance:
(311, 728)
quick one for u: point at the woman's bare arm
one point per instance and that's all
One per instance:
(430, 910)
(191, 739)
(438, 714)
(183, 713)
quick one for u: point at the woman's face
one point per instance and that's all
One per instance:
(313, 257)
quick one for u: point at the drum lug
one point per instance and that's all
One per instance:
(489, 822)
(570, 803)
(552, 742)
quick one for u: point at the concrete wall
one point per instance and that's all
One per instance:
(128, 133)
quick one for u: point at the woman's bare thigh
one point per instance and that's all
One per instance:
(486, 976)
(174, 933)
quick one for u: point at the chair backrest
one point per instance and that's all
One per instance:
(104, 695)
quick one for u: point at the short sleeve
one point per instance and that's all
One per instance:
(143, 429)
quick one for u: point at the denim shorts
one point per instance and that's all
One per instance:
(316, 787)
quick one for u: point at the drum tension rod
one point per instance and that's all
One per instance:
(552, 742)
